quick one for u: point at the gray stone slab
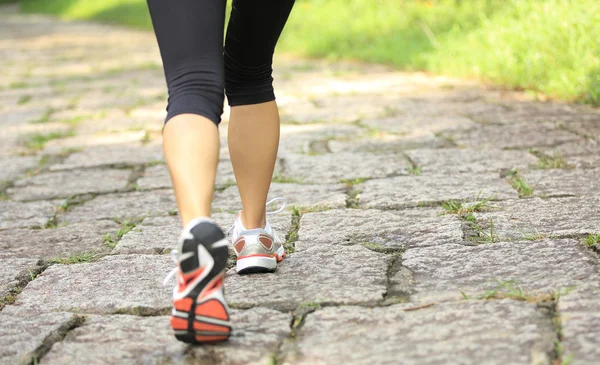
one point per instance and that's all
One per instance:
(114, 284)
(386, 230)
(429, 124)
(64, 184)
(13, 167)
(454, 161)
(512, 136)
(550, 217)
(123, 206)
(21, 215)
(21, 338)
(537, 267)
(16, 271)
(124, 339)
(300, 138)
(60, 242)
(584, 154)
(470, 332)
(570, 182)
(409, 191)
(322, 196)
(580, 319)
(389, 144)
(112, 155)
(333, 167)
(324, 274)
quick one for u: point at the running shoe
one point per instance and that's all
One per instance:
(200, 313)
(257, 250)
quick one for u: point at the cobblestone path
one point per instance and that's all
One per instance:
(434, 221)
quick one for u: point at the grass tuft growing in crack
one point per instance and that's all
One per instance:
(484, 235)
(112, 240)
(292, 236)
(593, 241)
(555, 161)
(519, 184)
(37, 141)
(73, 259)
(511, 289)
(352, 192)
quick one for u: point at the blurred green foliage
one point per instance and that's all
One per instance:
(546, 46)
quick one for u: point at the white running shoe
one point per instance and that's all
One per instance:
(258, 250)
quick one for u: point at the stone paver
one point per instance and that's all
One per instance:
(125, 339)
(70, 240)
(16, 271)
(377, 229)
(114, 284)
(32, 214)
(410, 191)
(377, 270)
(66, 184)
(580, 320)
(22, 337)
(546, 217)
(536, 266)
(471, 332)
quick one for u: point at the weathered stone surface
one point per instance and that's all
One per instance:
(470, 332)
(301, 195)
(429, 124)
(323, 274)
(454, 161)
(32, 214)
(124, 339)
(112, 155)
(580, 154)
(388, 144)
(377, 229)
(537, 266)
(60, 242)
(11, 168)
(552, 217)
(410, 191)
(580, 319)
(301, 138)
(512, 136)
(114, 284)
(159, 235)
(64, 184)
(123, 206)
(14, 272)
(331, 168)
(22, 337)
(557, 183)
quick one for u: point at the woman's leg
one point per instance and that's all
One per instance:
(190, 37)
(254, 28)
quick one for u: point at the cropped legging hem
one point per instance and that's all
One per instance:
(200, 70)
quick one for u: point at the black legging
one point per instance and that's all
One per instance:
(190, 38)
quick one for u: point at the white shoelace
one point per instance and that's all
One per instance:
(268, 213)
(174, 252)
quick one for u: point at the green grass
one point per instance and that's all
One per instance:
(37, 141)
(592, 240)
(73, 259)
(519, 184)
(546, 46)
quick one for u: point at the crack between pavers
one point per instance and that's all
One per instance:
(54, 337)
(22, 280)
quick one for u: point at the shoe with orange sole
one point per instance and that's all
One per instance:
(200, 313)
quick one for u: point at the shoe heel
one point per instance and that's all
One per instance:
(251, 265)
